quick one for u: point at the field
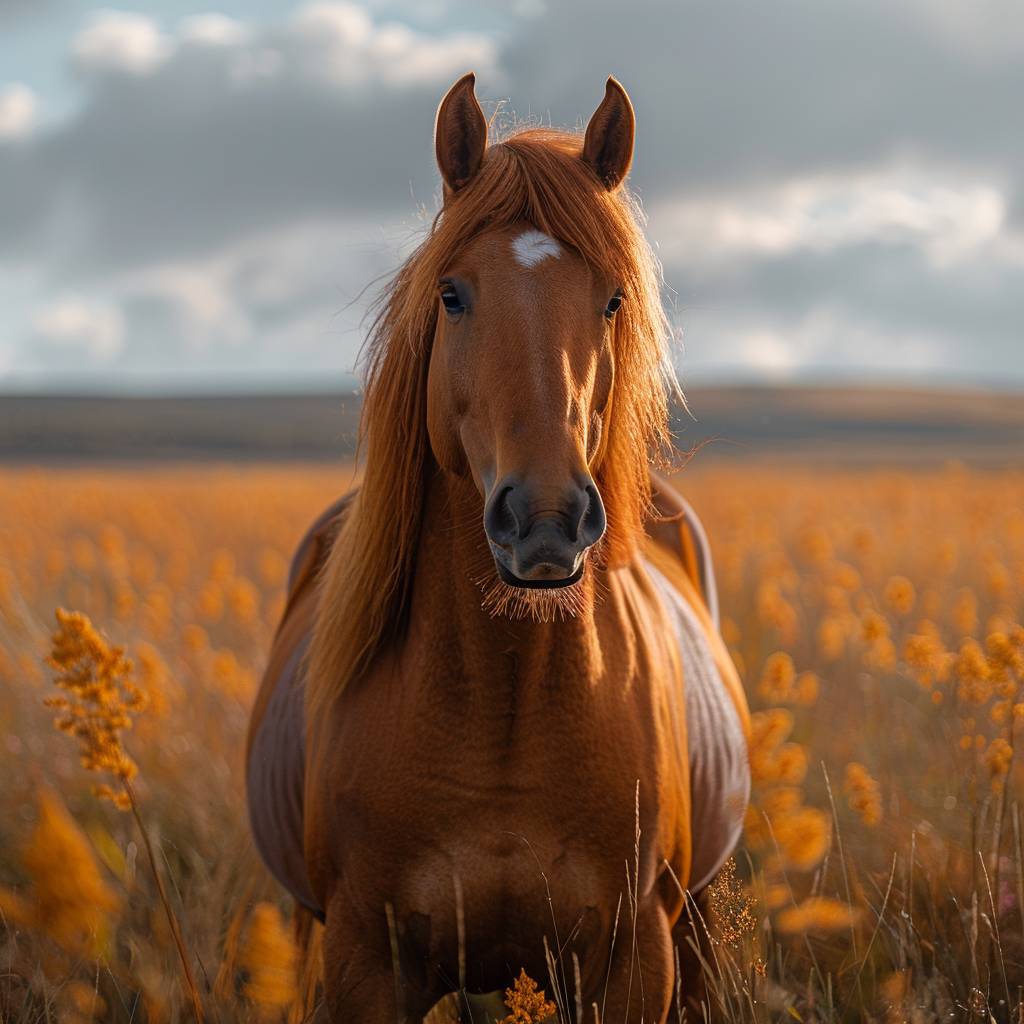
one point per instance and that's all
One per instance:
(874, 614)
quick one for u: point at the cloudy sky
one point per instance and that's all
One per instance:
(194, 196)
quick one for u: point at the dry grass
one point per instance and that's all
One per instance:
(874, 616)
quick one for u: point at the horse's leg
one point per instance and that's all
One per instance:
(692, 940)
(641, 976)
(360, 978)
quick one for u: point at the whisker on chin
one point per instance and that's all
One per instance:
(554, 604)
(502, 600)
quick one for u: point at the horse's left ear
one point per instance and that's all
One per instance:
(608, 145)
(460, 134)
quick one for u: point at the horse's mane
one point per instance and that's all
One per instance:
(535, 176)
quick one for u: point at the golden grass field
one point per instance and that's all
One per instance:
(874, 616)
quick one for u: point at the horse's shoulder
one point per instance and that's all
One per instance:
(275, 754)
(677, 527)
(297, 618)
(312, 551)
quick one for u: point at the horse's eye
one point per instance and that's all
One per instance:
(613, 304)
(451, 301)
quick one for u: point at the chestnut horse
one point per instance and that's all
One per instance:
(498, 718)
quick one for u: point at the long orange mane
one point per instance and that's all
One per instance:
(535, 176)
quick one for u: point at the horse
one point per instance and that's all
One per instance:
(499, 729)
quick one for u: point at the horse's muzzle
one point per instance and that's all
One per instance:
(546, 547)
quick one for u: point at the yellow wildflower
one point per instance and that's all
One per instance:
(972, 670)
(881, 655)
(210, 605)
(269, 958)
(926, 658)
(791, 763)
(803, 837)
(816, 914)
(776, 896)
(778, 677)
(775, 611)
(769, 728)
(222, 565)
(781, 800)
(806, 689)
(815, 545)
(863, 793)
(730, 905)
(194, 637)
(948, 554)
(846, 576)
(965, 612)
(998, 758)
(1005, 657)
(864, 543)
(997, 579)
(244, 599)
(900, 595)
(831, 638)
(874, 626)
(273, 567)
(525, 1003)
(1001, 712)
(101, 697)
(82, 1004)
(835, 599)
(68, 899)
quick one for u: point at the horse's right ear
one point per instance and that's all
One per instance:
(460, 134)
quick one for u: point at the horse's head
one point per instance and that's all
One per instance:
(522, 363)
(522, 348)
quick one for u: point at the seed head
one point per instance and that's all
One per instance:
(101, 698)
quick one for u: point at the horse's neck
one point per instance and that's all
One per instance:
(452, 640)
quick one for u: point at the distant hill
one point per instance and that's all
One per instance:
(855, 424)
(830, 424)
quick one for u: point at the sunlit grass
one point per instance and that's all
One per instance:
(874, 617)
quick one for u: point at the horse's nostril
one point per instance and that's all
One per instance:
(510, 518)
(500, 520)
(594, 521)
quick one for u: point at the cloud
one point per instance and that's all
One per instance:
(213, 30)
(341, 43)
(121, 42)
(984, 29)
(829, 186)
(77, 323)
(18, 109)
(727, 96)
(951, 221)
(232, 299)
(189, 141)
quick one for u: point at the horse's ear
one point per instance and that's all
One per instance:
(460, 134)
(608, 145)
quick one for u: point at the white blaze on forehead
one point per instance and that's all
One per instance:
(533, 246)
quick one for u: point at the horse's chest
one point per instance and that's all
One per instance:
(503, 799)
(503, 862)
(550, 777)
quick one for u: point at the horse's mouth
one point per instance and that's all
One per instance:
(514, 581)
